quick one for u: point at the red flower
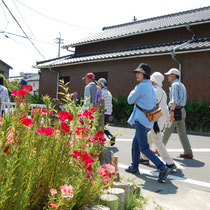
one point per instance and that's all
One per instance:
(77, 154)
(6, 149)
(65, 127)
(87, 159)
(49, 131)
(27, 88)
(14, 93)
(26, 121)
(64, 115)
(99, 134)
(21, 93)
(52, 204)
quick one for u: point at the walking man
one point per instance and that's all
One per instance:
(155, 135)
(90, 90)
(4, 97)
(144, 97)
(178, 99)
(107, 96)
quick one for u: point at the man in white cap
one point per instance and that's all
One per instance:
(178, 99)
(155, 135)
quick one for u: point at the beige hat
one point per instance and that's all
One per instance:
(173, 71)
(157, 78)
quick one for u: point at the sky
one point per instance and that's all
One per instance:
(42, 21)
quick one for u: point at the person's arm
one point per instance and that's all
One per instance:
(134, 94)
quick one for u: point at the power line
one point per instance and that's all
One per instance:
(26, 24)
(23, 30)
(5, 17)
(6, 32)
(82, 27)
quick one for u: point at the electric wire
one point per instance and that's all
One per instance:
(5, 17)
(27, 24)
(82, 27)
(22, 29)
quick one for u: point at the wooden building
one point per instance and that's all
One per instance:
(4, 69)
(180, 40)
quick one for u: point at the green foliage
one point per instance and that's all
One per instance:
(35, 99)
(135, 201)
(10, 85)
(121, 110)
(198, 116)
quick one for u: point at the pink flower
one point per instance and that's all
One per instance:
(14, 93)
(66, 191)
(52, 204)
(64, 115)
(53, 191)
(109, 168)
(103, 172)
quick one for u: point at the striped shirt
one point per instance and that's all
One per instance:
(4, 96)
(107, 96)
(177, 93)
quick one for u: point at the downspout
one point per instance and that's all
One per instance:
(173, 53)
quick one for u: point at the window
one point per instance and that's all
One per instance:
(65, 79)
(101, 75)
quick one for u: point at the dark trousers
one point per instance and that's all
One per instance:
(106, 131)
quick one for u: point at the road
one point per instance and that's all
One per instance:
(191, 173)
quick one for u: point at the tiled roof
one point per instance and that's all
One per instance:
(150, 50)
(147, 25)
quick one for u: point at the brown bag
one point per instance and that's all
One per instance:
(154, 114)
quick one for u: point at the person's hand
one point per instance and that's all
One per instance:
(156, 128)
(172, 116)
(110, 118)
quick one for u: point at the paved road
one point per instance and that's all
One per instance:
(186, 188)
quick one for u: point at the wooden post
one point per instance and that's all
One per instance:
(112, 201)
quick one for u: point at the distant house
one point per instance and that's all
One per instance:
(180, 40)
(34, 82)
(4, 69)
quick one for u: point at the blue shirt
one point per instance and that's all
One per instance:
(177, 93)
(144, 96)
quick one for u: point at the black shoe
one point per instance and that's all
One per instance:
(143, 162)
(112, 141)
(171, 166)
(163, 174)
(132, 171)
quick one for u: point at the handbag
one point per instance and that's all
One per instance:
(153, 114)
(177, 114)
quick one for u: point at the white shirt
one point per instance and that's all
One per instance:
(4, 96)
(162, 100)
(107, 96)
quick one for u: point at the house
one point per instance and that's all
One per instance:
(4, 69)
(180, 40)
(34, 82)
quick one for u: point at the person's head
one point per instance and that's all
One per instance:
(142, 72)
(22, 82)
(173, 74)
(89, 77)
(102, 83)
(157, 78)
(1, 81)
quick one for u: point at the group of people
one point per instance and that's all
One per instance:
(146, 95)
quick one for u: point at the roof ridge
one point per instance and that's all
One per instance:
(155, 18)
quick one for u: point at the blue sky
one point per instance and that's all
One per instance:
(42, 20)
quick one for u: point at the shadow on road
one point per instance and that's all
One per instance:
(190, 162)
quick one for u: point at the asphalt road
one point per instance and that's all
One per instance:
(191, 173)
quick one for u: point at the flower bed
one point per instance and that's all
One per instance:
(51, 159)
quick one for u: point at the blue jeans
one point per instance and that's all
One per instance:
(107, 132)
(140, 144)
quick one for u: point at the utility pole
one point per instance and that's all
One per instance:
(59, 41)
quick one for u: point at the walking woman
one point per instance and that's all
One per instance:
(144, 97)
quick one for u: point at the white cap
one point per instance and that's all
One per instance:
(173, 71)
(157, 78)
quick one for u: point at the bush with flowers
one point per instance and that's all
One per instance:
(51, 159)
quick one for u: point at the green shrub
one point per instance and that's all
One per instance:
(35, 99)
(198, 116)
(121, 110)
